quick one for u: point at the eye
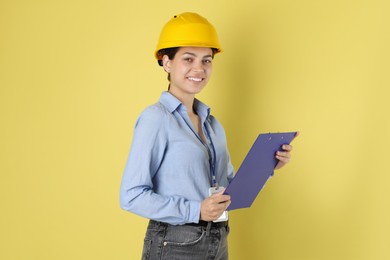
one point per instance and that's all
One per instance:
(208, 61)
(188, 59)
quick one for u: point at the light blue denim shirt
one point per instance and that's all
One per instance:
(169, 169)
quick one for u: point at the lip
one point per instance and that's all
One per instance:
(195, 79)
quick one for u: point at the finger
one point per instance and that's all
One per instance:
(283, 154)
(222, 198)
(217, 196)
(283, 160)
(227, 203)
(287, 147)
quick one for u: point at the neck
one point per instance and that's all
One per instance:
(186, 100)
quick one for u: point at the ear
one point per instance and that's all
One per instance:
(166, 63)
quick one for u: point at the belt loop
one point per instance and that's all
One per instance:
(208, 228)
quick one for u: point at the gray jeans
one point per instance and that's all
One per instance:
(185, 242)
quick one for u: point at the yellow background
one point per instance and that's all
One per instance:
(76, 74)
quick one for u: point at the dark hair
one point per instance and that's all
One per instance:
(170, 52)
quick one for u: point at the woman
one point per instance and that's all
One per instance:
(179, 152)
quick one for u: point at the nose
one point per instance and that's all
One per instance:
(198, 66)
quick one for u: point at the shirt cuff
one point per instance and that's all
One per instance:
(194, 214)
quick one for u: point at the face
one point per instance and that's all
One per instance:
(189, 70)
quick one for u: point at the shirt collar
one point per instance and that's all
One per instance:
(172, 104)
(201, 109)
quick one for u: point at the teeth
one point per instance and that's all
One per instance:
(195, 79)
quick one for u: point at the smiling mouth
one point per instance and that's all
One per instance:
(195, 79)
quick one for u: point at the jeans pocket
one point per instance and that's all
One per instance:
(184, 243)
(183, 236)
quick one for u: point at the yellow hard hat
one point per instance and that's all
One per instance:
(187, 29)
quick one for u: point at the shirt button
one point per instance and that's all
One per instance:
(165, 243)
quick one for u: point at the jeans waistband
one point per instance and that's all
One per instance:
(201, 223)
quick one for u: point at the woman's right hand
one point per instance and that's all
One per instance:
(213, 207)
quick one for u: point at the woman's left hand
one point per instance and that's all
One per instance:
(284, 156)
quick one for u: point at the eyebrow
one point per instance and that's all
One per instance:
(193, 54)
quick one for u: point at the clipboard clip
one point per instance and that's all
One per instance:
(270, 137)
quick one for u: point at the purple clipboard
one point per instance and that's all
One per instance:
(257, 167)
